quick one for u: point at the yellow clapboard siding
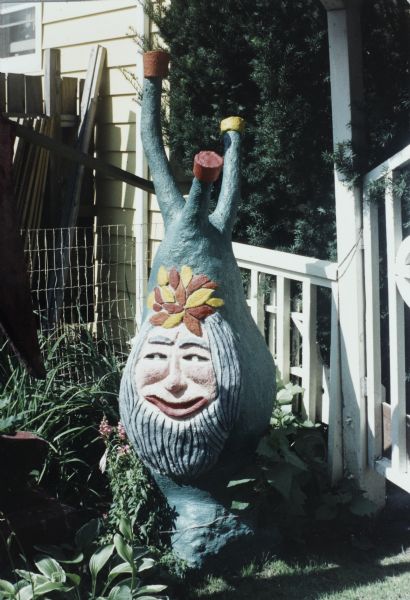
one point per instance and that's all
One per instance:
(119, 52)
(118, 216)
(153, 203)
(155, 229)
(113, 82)
(113, 137)
(58, 11)
(117, 109)
(93, 28)
(123, 160)
(153, 246)
(115, 194)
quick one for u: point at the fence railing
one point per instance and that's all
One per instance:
(283, 293)
(387, 420)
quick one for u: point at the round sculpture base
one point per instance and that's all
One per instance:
(206, 534)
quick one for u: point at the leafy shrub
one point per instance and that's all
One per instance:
(87, 570)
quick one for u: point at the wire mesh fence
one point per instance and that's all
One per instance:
(83, 291)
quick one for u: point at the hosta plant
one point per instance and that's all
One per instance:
(87, 571)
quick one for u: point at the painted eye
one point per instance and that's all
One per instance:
(195, 358)
(156, 356)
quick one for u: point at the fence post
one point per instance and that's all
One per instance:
(347, 92)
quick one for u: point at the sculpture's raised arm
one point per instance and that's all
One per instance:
(224, 215)
(169, 197)
(207, 168)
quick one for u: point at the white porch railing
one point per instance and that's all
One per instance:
(291, 331)
(396, 469)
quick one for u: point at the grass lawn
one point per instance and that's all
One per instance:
(371, 566)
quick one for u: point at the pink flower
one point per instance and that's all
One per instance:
(121, 431)
(122, 450)
(105, 430)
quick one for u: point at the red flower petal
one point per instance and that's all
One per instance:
(193, 324)
(159, 318)
(157, 295)
(180, 294)
(200, 312)
(174, 278)
(172, 307)
(196, 282)
(211, 285)
(157, 307)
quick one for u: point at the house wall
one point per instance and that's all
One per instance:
(75, 27)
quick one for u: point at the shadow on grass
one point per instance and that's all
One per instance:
(321, 568)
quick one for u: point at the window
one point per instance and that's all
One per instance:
(20, 37)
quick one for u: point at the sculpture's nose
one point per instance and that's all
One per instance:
(175, 382)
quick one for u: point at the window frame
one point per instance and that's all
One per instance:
(27, 63)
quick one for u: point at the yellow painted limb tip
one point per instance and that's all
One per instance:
(233, 124)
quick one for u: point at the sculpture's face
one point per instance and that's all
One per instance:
(175, 372)
(180, 395)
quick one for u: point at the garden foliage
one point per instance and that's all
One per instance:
(268, 62)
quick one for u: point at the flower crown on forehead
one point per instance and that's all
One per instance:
(182, 297)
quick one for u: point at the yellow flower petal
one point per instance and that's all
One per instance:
(215, 302)
(198, 298)
(173, 320)
(151, 299)
(167, 294)
(186, 275)
(162, 276)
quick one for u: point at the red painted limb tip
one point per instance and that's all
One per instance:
(207, 166)
(156, 63)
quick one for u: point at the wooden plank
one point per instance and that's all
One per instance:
(52, 82)
(81, 158)
(2, 92)
(373, 343)
(69, 87)
(309, 351)
(396, 331)
(283, 328)
(400, 159)
(15, 93)
(402, 480)
(33, 90)
(123, 160)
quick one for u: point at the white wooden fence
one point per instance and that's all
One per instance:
(397, 251)
(291, 329)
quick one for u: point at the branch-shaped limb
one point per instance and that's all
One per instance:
(224, 215)
(169, 197)
(207, 168)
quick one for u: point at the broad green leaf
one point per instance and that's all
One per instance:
(236, 505)
(284, 396)
(152, 589)
(147, 563)
(51, 569)
(121, 592)
(146, 597)
(236, 482)
(120, 570)
(25, 593)
(123, 549)
(6, 586)
(99, 559)
(126, 528)
(50, 586)
(74, 578)
(87, 534)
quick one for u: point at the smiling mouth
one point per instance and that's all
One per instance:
(178, 410)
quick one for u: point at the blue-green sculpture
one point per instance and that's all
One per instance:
(198, 387)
